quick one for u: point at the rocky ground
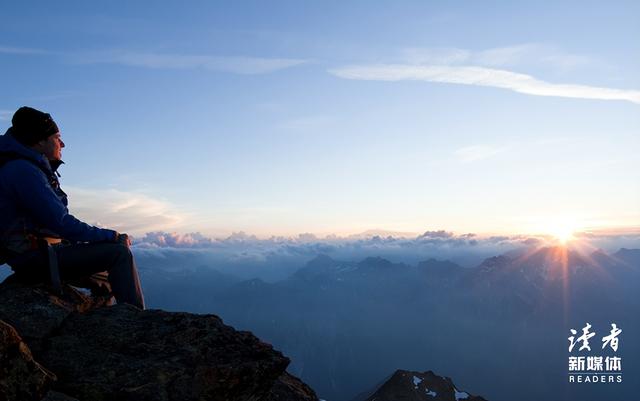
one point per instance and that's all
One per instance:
(76, 347)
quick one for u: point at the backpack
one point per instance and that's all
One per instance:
(5, 157)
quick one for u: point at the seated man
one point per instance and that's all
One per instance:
(37, 233)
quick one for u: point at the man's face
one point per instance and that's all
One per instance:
(51, 147)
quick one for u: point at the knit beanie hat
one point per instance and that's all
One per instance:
(30, 126)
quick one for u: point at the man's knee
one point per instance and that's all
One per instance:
(122, 251)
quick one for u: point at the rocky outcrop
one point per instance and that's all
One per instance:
(35, 312)
(159, 355)
(420, 386)
(290, 388)
(123, 353)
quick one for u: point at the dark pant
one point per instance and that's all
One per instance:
(79, 261)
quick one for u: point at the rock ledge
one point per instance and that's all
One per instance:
(85, 350)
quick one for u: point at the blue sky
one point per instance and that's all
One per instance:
(278, 118)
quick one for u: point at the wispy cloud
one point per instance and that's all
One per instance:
(124, 211)
(486, 68)
(238, 65)
(529, 54)
(21, 50)
(532, 54)
(481, 76)
(477, 152)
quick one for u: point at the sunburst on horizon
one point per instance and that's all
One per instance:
(563, 235)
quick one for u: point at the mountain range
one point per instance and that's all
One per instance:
(347, 324)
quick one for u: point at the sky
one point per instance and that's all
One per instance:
(288, 117)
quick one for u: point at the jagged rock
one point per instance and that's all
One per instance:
(290, 388)
(35, 312)
(21, 378)
(420, 386)
(125, 353)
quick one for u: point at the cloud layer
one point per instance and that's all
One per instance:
(466, 249)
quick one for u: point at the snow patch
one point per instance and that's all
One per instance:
(460, 395)
(416, 381)
(431, 393)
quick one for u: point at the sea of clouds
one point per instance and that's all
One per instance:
(275, 258)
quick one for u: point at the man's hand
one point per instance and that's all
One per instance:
(123, 239)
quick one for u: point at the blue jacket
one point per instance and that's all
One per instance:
(31, 198)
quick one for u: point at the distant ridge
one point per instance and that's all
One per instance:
(418, 386)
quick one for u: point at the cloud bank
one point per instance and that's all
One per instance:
(466, 249)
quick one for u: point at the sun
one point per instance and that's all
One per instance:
(559, 229)
(562, 234)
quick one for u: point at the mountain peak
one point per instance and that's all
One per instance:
(321, 260)
(420, 386)
(628, 254)
(376, 261)
(495, 262)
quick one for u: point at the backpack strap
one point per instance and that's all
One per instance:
(52, 261)
(5, 157)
